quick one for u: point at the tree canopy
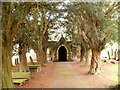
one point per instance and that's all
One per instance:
(88, 24)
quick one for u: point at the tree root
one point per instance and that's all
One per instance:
(93, 72)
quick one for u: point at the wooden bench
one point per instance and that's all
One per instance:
(20, 77)
(19, 81)
(34, 68)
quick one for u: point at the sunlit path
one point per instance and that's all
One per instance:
(66, 77)
(70, 75)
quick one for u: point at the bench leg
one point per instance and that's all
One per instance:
(21, 84)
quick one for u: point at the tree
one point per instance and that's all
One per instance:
(12, 16)
(95, 22)
(44, 16)
(21, 38)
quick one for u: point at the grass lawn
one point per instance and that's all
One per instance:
(114, 69)
(115, 77)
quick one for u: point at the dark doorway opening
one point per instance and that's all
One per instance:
(62, 54)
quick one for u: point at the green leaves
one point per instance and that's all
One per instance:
(42, 19)
(96, 19)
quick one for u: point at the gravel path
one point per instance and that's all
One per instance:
(66, 77)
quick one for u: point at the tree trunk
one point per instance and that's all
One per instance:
(53, 56)
(111, 51)
(32, 61)
(44, 55)
(118, 55)
(109, 55)
(82, 55)
(15, 61)
(39, 55)
(87, 57)
(95, 63)
(22, 56)
(7, 81)
(115, 54)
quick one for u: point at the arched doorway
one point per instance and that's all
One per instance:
(62, 54)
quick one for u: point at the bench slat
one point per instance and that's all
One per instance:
(34, 65)
(19, 81)
(22, 75)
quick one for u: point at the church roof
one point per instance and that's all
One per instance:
(62, 40)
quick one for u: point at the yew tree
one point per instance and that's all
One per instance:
(44, 17)
(22, 39)
(97, 24)
(12, 16)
